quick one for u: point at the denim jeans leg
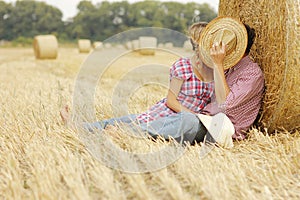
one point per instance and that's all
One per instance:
(183, 127)
(102, 124)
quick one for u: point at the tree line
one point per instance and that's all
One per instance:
(25, 19)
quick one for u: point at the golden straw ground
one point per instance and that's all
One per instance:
(42, 159)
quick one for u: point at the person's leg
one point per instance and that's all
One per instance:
(183, 127)
(102, 124)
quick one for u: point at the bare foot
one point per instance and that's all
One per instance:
(65, 114)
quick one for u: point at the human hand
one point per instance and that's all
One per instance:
(217, 53)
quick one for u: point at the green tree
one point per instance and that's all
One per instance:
(5, 13)
(29, 18)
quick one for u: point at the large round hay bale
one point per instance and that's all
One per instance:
(84, 45)
(276, 50)
(45, 47)
(147, 45)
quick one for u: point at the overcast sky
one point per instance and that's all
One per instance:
(69, 7)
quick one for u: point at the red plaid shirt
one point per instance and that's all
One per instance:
(194, 94)
(246, 83)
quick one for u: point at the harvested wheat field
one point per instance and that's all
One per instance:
(41, 158)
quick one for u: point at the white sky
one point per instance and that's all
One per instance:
(69, 7)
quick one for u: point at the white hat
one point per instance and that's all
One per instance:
(219, 131)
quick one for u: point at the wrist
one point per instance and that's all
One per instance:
(219, 66)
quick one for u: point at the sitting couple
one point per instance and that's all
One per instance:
(215, 93)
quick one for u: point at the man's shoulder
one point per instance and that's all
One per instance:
(252, 68)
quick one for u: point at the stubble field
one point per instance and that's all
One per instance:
(41, 158)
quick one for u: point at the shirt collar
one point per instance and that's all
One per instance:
(243, 62)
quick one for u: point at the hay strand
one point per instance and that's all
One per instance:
(45, 47)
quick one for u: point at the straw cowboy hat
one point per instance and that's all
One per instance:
(219, 131)
(229, 30)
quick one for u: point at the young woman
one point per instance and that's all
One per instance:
(191, 89)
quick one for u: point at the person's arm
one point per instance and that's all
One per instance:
(222, 90)
(172, 102)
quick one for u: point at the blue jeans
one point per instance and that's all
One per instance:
(183, 127)
(102, 124)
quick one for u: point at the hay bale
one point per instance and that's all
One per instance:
(147, 45)
(84, 45)
(276, 50)
(45, 47)
(187, 46)
(107, 45)
(128, 45)
(169, 45)
(98, 45)
(135, 45)
(160, 45)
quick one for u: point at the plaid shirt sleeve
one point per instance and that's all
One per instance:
(181, 69)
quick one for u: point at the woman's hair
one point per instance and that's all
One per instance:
(194, 33)
(251, 37)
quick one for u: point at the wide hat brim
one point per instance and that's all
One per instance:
(208, 38)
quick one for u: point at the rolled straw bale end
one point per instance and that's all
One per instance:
(147, 45)
(84, 45)
(45, 47)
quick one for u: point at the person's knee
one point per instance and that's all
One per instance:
(189, 119)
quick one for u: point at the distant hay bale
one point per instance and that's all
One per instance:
(135, 45)
(120, 46)
(169, 45)
(98, 45)
(147, 45)
(107, 45)
(84, 45)
(160, 45)
(128, 45)
(45, 47)
(187, 45)
(276, 50)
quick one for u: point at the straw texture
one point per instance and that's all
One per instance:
(84, 45)
(45, 47)
(276, 50)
